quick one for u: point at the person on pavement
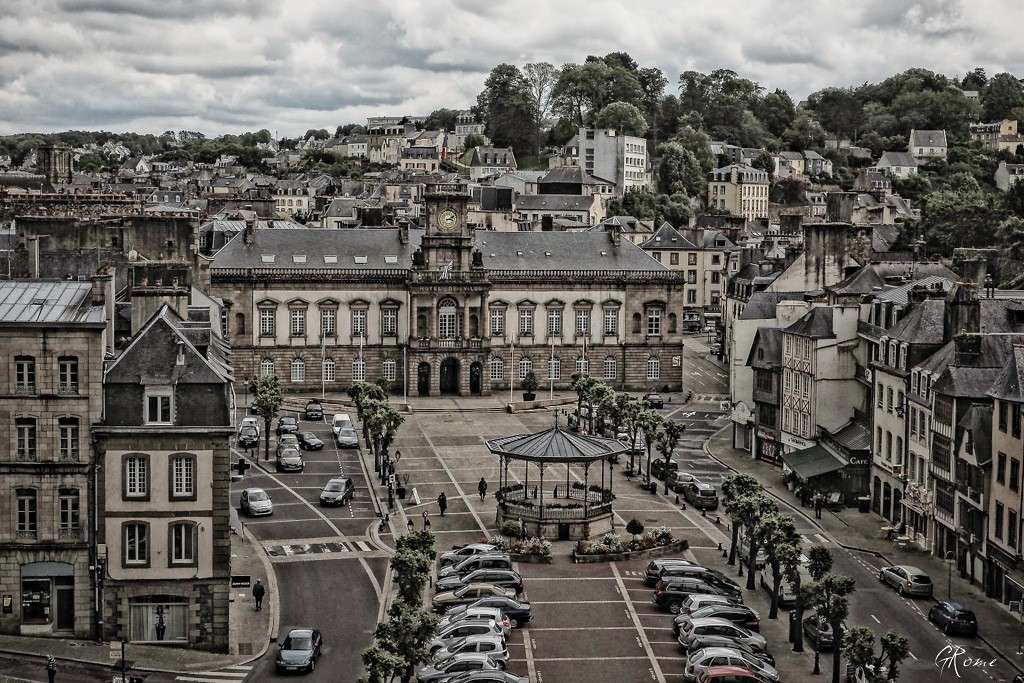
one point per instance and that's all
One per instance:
(258, 591)
(51, 668)
(482, 488)
(442, 503)
(426, 521)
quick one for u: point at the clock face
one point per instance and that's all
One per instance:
(447, 220)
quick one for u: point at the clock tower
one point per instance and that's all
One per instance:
(448, 241)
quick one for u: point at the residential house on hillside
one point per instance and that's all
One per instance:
(925, 145)
(998, 136)
(897, 164)
(630, 228)
(573, 180)
(741, 190)
(815, 164)
(521, 182)
(490, 161)
(587, 209)
(421, 159)
(1008, 175)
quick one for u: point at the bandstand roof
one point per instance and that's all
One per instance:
(556, 446)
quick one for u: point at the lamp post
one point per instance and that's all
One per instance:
(949, 579)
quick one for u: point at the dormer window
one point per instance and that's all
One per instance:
(159, 405)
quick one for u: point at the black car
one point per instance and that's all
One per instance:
(287, 425)
(740, 615)
(314, 411)
(655, 567)
(700, 495)
(248, 437)
(660, 468)
(517, 611)
(654, 401)
(669, 596)
(308, 441)
(953, 618)
(819, 632)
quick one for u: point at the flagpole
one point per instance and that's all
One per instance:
(511, 370)
(323, 360)
(551, 372)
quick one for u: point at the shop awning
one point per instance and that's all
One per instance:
(812, 462)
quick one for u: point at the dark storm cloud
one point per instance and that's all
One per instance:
(288, 65)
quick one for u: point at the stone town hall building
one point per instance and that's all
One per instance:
(455, 310)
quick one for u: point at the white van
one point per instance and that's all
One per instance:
(341, 421)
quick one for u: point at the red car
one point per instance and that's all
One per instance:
(727, 674)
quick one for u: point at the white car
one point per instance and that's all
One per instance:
(250, 421)
(701, 660)
(256, 502)
(460, 612)
(341, 421)
(493, 646)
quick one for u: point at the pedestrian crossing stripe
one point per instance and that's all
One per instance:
(288, 550)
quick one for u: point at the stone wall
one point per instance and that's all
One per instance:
(207, 609)
(11, 562)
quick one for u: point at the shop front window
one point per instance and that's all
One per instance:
(163, 619)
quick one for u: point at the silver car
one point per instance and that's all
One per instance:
(907, 580)
(460, 553)
(493, 646)
(346, 437)
(256, 502)
(455, 665)
(461, 629)
(691, 631)
(702, 660)
(460, 612)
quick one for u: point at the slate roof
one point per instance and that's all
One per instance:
(708, 239)
(813, 462)
(768, 340)
(284, 244)
(45, 303)
(967, 382)
(555, 445)
(1009, 386)
(923, 324)
(761, 305)
(862, 281)
(978, 420)
(668, 238)
(889, 158)
(927, 138)
(554, 202)
(561, 251)
(901, 295)
(855, 436)
(492, 156)
(815, 323)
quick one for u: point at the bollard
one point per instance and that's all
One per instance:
(677, 499)
(703, 512)
(720, 546)
(718, 519)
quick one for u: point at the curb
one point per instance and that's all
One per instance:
(275, 604)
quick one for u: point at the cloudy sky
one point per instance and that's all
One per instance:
(288, 65)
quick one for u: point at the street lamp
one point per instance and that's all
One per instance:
(949, 579)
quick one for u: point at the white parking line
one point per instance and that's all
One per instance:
(639, 627)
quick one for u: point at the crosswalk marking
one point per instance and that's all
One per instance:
(215, 676)
(363, 546)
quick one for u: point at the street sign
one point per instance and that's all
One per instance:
(676, 361)
(115, 650)
(241, 580)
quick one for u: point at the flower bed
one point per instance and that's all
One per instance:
(534, 550)
(612, 547)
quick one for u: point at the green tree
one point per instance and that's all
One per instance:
(411, 569)
(805, 133)
(634, 528)
(674, 208)
(777, 534)
(679, 170)
(750, 510)
(631, 412)
(267, 399)
(623, 117)
(442, 119)
(776, 111)
(829, 597)
(790, 559)
(316, 133)
(671, 433)
(1002, 94)
(650, 424)
(583, 385)
(406, 634)
(506, 107)
(635, 202)
(475, 140)
(420, 541)
(975, 79)
(380, 664)
(1013, 199)
(734, 487)
(698, 144)
(859, 649)
(541, 77)
(598, 397)
(839, 110)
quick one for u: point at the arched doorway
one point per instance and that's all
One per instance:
(475, 371)
(876, 496)
(423, 379)
(897, 506)
(450, 376)
(887, 501)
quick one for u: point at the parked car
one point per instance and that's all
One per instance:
(701, 496)
(787, 591)
(299, 650)
(481, 561)
(493, 646)
(256, 502)
(287, 425)
(506, 578)
(907, 580)
(704, 642)
(515, 610)
(655, 567)
(653, 400)
(308, 441)
(461, 552)
(696, 571)
(460, 629)
(714, 626)
(696, 601)
(290, 460)
(743, 550)
(250, 421)
(728, 674)
(474, 611)
(287, 441)
(819, 632)
(661, 469)
(456, 664)
(677, 480)
(346, 437)
(314, 411)
(702, 660)
(488, 676)
(467, 594)
(737, 614)
(953, 618)
(248, 437)
(337, 491)
(339, 421)
(669, 596)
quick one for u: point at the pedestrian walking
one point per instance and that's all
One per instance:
(522, 529)
(817, 506)
(482, 488)
(258, 591)
(442, 503)
(51, 668)
(411, 525)
(426, 521)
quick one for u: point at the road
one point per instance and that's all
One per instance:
(328, 572)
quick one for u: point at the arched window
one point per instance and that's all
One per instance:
(266, 368)
(610, 368)
(582, 366)
(497, 369)
(390, 370)
(329, 370)
(298, 370)
(554, 368)
(636, 323)
(653, 368)
(359, 370)
(239, 323)
(447, 319)
(525, 366)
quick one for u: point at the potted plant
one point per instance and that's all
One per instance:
(530, 386)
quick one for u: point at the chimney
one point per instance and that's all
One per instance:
(963, 311)
(614, 236)
(33, 257)
(102, 294)
(403, 230)
(250, 226)
(968, 349)
(840, 207)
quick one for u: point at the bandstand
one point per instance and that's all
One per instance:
(568, 495)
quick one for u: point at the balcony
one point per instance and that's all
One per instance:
(68, 388)
(448, 344)
(69, 534)
(26, 535)
(25, 389)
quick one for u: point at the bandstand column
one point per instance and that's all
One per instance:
(586, 490)
(542, 490)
